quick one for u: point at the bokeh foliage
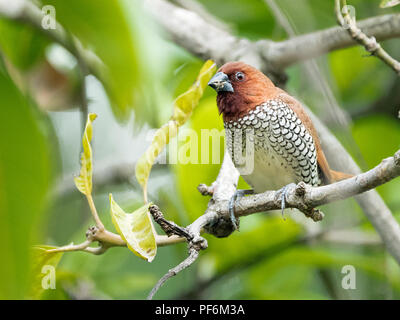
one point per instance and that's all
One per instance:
(268, 258)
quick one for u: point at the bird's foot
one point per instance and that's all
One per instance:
(283, 199)
(237, 195)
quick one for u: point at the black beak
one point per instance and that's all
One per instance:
(220, 83)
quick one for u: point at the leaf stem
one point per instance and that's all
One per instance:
(145, 199)
(96, 218)
(71, 247)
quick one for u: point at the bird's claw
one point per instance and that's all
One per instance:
(283, 200)
(237, 195)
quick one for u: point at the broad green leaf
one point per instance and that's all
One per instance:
(389, 3)
(22, 44)
(183, 108)
(25, 180)
(84, 181)
(42, 262)
(136, 229)
(112, 33)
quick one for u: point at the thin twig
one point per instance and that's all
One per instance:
(107, 239)
(195, 243)
(169, 227)
(369, 43)
(94, 212)
(193, 255)
(71, 247)
(205, 190)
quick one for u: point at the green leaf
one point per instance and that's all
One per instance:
(104, 27)
(84, 181)
(40, 260)
(187, 101)
(136, 229)
(183, 108)
(389, 3)
(25, 180)
(22, 44)
(146, 161)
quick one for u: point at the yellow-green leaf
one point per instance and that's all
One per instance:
(84, 181)
(389, 3)
(183, 108)
(136, 229)
(146, 161)
(187, 101)
(42, 262)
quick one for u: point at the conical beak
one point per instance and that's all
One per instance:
(220, 83)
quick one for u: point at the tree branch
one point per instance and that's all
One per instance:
(305, 197)
(190, 31)
(191, 234)
(370, 44)
(193, 255)
(315, 44)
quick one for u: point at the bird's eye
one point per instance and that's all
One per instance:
(239, 76)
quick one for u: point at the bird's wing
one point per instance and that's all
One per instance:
(327, 173)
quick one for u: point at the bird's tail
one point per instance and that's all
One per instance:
(338, 176)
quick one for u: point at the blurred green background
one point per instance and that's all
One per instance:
(42, 110)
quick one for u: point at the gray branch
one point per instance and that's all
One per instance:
(191, 233)
(192, 32)
(306, 198)
(315, 44)
(193, 255)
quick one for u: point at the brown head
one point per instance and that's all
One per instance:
(240, 88)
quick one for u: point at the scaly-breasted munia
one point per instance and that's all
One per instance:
(286, 147)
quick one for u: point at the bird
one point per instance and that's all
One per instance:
(269, 136)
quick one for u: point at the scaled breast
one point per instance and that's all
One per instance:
(281, 148)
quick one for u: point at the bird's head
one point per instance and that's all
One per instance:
(240, 88)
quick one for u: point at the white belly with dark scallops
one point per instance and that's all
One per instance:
(284, 151)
